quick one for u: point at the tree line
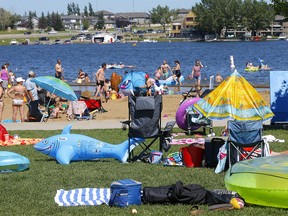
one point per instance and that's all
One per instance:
(213, 17)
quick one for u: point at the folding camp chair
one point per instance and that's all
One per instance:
(145, 122)
(245, 140)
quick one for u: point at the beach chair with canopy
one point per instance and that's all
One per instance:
(245, 140)
(145, 122)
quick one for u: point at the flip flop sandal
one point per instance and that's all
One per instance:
(195, 210)
(221, 207)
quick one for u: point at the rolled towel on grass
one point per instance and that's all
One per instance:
(82, 197)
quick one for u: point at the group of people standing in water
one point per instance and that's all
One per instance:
(164, 71)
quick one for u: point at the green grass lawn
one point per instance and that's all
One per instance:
(32, 192)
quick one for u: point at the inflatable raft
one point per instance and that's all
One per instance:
(170, 81)
(12, 162)
(261, 181)
(181, 113)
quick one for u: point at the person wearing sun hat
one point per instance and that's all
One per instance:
(17, 93)
(1, 99)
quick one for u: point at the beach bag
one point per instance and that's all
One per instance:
(125, 192)
(192, 156)
(173, 159)
(222, 158)
(176, 193)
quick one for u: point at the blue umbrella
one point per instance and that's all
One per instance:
(55, 86)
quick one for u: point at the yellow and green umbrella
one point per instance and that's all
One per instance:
(235, 98)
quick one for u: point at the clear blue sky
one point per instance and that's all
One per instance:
(60, 6)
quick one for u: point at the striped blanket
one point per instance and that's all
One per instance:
(82, 197)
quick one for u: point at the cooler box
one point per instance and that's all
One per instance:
(125, 192)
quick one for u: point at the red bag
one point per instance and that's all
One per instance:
(192, 156)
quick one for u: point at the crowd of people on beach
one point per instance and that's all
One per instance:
(22, 92)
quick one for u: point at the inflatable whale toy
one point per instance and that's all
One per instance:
(13, 162)
(67, 147)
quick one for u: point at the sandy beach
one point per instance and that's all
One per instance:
(118, 109)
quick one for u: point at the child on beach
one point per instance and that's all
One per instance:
(107, 89)
(56, 110)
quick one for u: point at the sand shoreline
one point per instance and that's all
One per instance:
(116, 109)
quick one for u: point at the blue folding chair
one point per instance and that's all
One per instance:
(245, 140)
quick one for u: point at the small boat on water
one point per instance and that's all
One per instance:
(283, 36)
(104, 38)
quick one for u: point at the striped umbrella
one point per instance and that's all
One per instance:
(55, 86)
(234, 99)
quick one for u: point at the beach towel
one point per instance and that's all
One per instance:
(20, 141)
(187, 141)
(82, 197)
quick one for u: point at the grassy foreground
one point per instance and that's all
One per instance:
(32, 192)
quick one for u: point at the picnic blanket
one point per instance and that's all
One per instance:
(188, 141)
(20, 141)
(82, 197)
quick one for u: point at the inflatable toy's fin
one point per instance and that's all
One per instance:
(67, 129)
(64, 154)
(133, 143)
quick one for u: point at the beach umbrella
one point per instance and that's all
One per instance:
(55, 86)
(235, 98)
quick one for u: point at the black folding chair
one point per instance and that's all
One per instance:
(145, 122)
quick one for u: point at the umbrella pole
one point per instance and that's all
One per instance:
(49, 101)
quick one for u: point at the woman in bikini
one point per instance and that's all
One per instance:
(1, 99)
(20, 92)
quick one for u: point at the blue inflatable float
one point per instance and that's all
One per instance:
(67, 147)
(170, 81)
(12, 162)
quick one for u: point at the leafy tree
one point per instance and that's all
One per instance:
(91, 11)
(281, 7)
(86, 11)
(69, 9)
(162, 15)
(5, 18)
(214, 16)
(42, 22)
(257, 15)
(57, 23)
(85, 24)
(100, 23)
(77, 10)
(30, 24)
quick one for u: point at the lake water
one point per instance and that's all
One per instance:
(215, 56)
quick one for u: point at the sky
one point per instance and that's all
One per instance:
(114, 6)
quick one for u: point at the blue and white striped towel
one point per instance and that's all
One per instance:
(82, 196)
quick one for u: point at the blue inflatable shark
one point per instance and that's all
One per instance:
(67, 147)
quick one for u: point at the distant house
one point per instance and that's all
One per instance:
(22, 24)
(106, 14)
(184, 26)
(71, 21)
(139, 18)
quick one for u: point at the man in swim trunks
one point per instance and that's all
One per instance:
(165, 69)
(59, 70)
(100, 80)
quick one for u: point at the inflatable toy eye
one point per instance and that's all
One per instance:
(46, 142)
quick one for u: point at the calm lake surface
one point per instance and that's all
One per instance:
(147, 57)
